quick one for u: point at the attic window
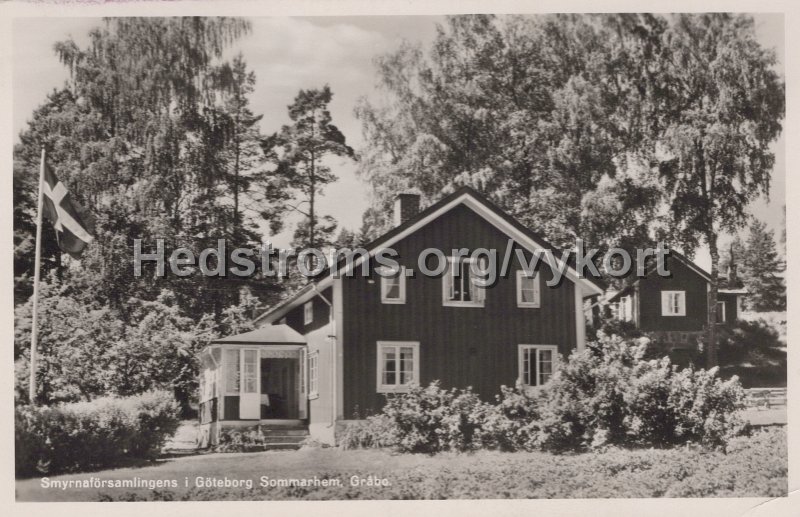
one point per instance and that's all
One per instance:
(459, 287)
(673, 303)
(393, 286)
(308, 313)
(527, 290)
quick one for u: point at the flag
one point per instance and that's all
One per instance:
(72, 232)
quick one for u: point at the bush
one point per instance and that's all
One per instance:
(609, 395)
(375, 431)
(755, 351)
(432, 419)
(245, 440)
(86, 435)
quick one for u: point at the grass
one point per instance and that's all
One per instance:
(754, 466)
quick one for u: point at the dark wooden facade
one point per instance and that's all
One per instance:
(682, 278)
(460, 346)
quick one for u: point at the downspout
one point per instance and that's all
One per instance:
(334, 409)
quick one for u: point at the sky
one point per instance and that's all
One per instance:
(289, 54)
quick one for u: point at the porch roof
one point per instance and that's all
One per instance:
(266, 335)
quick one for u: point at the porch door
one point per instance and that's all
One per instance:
(302, 374)
(249, 397)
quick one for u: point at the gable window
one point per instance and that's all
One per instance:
(459, 288)
(308, 313)
(313, 375)
(393, 286)
(721, 316)
(536, 364)
(673, 303)
(398, 365)
(527, 290)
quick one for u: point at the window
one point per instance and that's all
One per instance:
(250, 375)
(459, 289)
(308, 313)
(232, 367)
(527, 290)
(393, 286)
(398, 365)
(536, 364)
(313, 375)
(673, 303)
(721, 312)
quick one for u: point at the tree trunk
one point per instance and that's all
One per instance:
(711, 350)
(313, 184)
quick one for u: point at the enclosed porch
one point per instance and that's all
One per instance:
(254, 378)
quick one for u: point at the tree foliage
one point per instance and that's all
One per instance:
(532, 111)
(759, 268)
(722, 108)
(154, 134)
(299, 152)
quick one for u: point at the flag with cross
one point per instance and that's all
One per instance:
(58, 208)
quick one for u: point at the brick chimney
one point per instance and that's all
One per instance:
(406, 206)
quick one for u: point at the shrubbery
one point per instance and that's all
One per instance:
(373, 432)
(433, 419)
(85, 435)
(245, 440)
(608, 394)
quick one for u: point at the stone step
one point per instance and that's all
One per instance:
(285, 432)
(284, 439)
(281, 446)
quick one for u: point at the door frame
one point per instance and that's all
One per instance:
(249, 403)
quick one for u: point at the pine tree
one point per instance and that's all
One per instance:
(299, 151)
(763, 266)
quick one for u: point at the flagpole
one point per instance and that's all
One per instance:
(37, 266)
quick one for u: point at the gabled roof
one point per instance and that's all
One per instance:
(672, 253)
(466, 196)
(266, 335)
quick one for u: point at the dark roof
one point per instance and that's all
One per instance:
(672, 253)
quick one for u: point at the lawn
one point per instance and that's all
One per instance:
(754, 466)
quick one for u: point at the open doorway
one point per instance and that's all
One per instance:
(279, 388)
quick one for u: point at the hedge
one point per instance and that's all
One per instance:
(103, 433)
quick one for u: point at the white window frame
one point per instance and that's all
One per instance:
(227, 360)
(401, 277)
(396, 388)
(521, 363)
(667, 304)
(721, 305)
(537, 291)
(244, 378)
(308, 312)
(479, 297)
(313, 375)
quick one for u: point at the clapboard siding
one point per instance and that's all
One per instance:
(682, 279)
(460, 346)
(322, 314)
